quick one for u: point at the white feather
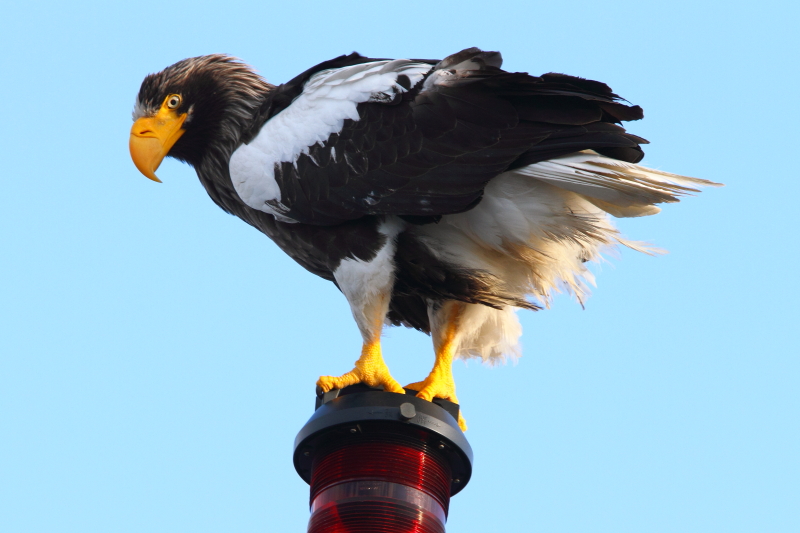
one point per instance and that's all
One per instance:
(537, 227)
(491, 335)
(328, 99)
(367, 285)
(621, 189)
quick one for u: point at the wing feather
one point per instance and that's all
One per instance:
(620, 188)
(407, 138)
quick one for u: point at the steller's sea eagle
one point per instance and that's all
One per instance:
(440, 195)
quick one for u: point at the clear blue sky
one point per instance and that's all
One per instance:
(157, 357)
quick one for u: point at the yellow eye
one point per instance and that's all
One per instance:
(173, 101)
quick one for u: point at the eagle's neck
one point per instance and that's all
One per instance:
(215, 131)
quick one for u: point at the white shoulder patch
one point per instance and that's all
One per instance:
(328, 98)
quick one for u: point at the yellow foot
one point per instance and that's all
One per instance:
(388, 383)
(438, 386)
(369, 370)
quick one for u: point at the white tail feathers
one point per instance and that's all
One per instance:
(537, 227)
(618, 188)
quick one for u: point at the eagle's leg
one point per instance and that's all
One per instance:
(367, 285)
(444, 330)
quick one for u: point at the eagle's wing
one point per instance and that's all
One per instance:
(356, 136)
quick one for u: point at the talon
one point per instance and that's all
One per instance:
(328, 383)
(435, 386)
(438, 387)
(370, 370)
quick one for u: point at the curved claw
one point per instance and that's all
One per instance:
(389, 384)
(438, 387)
(369, 370)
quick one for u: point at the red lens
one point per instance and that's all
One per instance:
(384, 483)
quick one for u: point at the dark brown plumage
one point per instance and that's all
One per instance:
(439, 195)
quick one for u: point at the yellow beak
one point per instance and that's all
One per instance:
(153, 137)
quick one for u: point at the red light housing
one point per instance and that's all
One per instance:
(381, 462)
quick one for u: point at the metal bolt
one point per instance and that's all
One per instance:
(441, 446)
(456, 480)
(306, 453)
(407, 411)
(353, 430)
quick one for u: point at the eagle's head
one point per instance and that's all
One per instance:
(194, 111)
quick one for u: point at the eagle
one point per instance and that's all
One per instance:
(441, 195)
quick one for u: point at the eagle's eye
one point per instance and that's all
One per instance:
(173, 101)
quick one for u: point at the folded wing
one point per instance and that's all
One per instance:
(415, 138)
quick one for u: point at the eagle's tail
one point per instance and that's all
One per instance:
(537, 227)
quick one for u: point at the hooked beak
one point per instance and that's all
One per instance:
(153, 137)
